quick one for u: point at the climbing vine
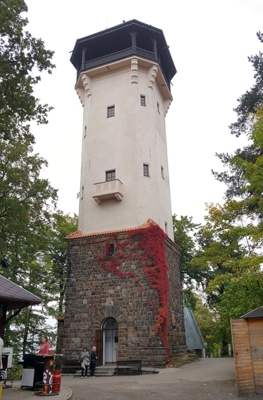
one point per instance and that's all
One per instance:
(148, 244)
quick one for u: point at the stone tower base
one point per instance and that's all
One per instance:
(124, 295)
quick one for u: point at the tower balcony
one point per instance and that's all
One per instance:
(119, 55)
(108, 190)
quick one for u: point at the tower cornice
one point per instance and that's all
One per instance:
(134, 63)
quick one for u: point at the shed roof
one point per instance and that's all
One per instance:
(193, 336)
(257, 313)
(15, 296)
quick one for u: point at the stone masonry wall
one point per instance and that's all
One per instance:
(94, 294)
(177, 329)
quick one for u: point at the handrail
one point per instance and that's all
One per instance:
(118, 55)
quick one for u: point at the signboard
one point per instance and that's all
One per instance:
(9, 351)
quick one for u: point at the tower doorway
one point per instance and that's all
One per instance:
(110, 340)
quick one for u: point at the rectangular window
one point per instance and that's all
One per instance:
(111, 111)
(166, 227)
(82, 193)
(110, 250)
(162, 171)
(110, 175)
(158, 107)
(145, 170)
(142, 100)
(85, 131)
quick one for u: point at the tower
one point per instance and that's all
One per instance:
(122, 261)
(123, 81)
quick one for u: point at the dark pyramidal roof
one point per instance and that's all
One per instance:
(15, 296)
(117, 38)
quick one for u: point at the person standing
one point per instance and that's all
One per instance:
(93, 359)
(85, 362)
(45, 346)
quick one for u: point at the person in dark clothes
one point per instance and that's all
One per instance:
(93, 359)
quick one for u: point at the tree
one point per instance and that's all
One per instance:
(209, 326)
(233, 252)
(56, 258)
(248, 104)
(21, 58)
(234, 256)
(26, 200)
(252, 99)
(187, 235)
(184, 231)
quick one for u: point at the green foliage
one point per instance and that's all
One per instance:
(248, 103)
(26, 202)
(234, 256)
(21, 58)
(185, 231)
(189, 298)
(56, 257)
(230, 243)
(209, 327)
(252, 99)
(31, 235)
(25, 199)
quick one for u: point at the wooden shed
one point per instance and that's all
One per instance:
(247, 339)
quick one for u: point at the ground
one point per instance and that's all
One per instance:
(205, 379)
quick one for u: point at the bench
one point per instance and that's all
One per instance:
(128, 367)
(70, 366)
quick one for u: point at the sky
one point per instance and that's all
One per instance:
(209, 41)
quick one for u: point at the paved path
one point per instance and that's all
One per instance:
(16, 393)
(212, 379)
(206, 379)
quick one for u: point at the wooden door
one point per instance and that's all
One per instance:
(99, 345)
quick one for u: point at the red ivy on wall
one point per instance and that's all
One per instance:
(148, 243)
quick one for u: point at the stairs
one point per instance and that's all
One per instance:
(105, 370)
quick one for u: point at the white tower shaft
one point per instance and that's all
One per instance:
(124, 171)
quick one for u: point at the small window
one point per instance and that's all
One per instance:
(158, 107)
(82, 193)
(111, 111)
(110, 175)
(110, 250)
(166, 227)
(85, 131)
(145, 169)
(142, 100)
(162, 171)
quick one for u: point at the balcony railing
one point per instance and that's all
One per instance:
(130, 51)
(108, 190)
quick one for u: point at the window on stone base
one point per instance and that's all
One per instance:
(110, 250)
